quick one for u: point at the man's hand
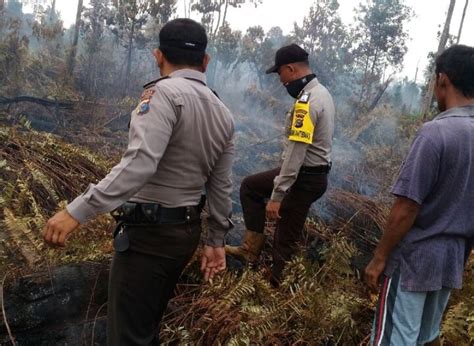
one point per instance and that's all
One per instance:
(58, 228)
(373, 271)
(212, 261)
(273, 210)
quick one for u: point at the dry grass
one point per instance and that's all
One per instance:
(38, 173)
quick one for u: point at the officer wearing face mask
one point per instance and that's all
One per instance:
(285, 194)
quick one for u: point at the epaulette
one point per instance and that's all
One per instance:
(215, 93)
(153, 83)
(304, 97)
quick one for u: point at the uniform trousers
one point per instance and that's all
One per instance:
(143, 278)
(254, 192)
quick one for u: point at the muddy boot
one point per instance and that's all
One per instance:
(250, 249)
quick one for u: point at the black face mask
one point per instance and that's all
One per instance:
(294, 87)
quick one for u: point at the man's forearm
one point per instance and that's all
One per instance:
(401, 219)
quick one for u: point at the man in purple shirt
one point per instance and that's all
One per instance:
(428, 237)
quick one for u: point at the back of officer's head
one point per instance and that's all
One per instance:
(457, 63)
(183, 42)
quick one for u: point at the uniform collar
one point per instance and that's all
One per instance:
(189, 74)
(311, 84)
(464, 111)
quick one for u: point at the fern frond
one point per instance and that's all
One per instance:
(21, 234)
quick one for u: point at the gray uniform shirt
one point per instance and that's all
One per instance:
(318, 153)
(180, 144)
(438, 174)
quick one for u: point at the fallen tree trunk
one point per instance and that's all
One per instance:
(40, 101)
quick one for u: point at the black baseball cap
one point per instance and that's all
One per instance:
(183, 33)
(287, 55)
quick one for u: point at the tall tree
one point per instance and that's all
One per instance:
(380, 38)
(325, 37)
(257, 51)
(53, 9)
(72, 53)
(214, 12)
(14, 58)
(222, 51)
(15, 7)
(129, 18)
(48, 30)
(96, 58)
(462, 21)
(425, 110)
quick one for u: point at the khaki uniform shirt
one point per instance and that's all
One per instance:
(180, 144)
(318, 153)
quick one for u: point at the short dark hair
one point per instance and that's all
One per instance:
(183, 42)
(457, 62)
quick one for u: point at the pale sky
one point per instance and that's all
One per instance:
(429, 16)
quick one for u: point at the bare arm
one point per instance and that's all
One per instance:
(402, 216)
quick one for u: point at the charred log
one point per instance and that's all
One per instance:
(63, 306)
(40, 101)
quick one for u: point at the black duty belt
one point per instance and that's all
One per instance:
(153, 213)
(316, 169)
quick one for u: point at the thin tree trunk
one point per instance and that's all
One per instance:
(129, 58)
(379, 95)
(72, 56)
(425, 110)
(2, 2)
(225, 10)
(358, 108)
(53, 10)
(462, 21)
(218, 18)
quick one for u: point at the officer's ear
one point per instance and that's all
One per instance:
(443, 80)
(158, 54)
(205, 62)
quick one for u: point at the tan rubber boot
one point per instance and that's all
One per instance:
(250, 249)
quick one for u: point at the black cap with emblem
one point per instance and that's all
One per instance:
(183, 42)
(287, 55)
(183, 33)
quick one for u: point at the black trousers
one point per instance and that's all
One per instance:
(143, 278)
(254, 191)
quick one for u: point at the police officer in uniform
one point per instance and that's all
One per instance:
(302, 178)
(180, 144)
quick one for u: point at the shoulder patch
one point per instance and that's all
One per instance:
(143, 107)
(147, 94)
